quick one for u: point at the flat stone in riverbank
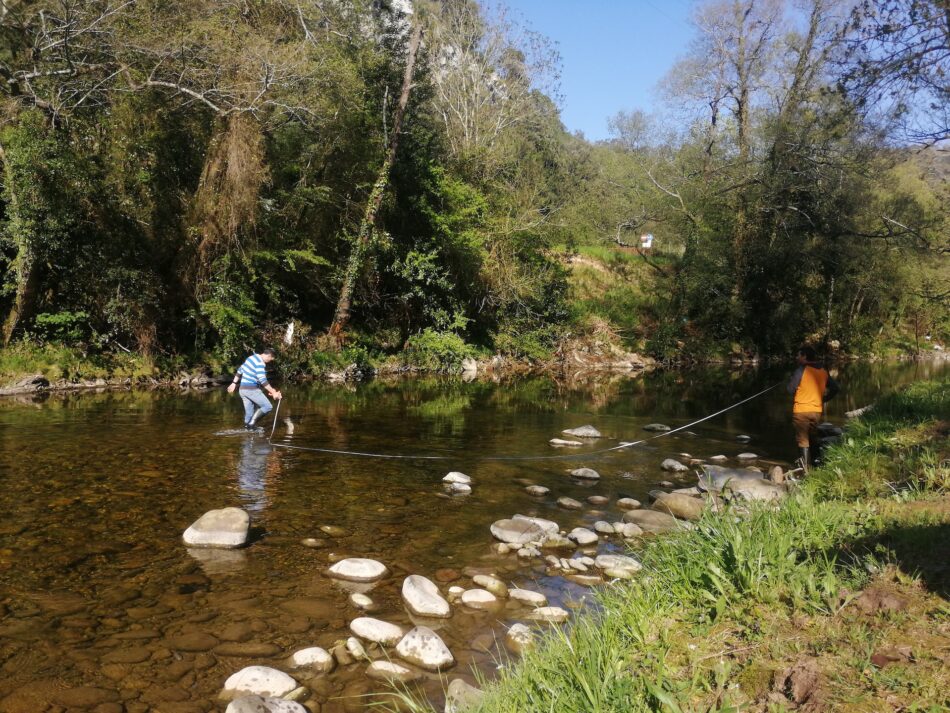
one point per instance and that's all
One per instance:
(358, 569)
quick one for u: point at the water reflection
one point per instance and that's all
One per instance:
(252, 473)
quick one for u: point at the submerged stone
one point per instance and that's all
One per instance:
(656, 427)
(585, 474)
(390, 671)
(517, 532)
(582, 432)
(673, 465)
(358, 569)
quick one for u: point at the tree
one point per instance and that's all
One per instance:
(897, 67)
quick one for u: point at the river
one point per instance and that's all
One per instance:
(102, 607)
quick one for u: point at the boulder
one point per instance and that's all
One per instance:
(479, 599)
(461, 696)
(537, 490)
(569, 503)
(552, 615)
(617, 563)
(582, 432)
(656, 427)
(358, 569)
(456, 477)
(628, 504)
(582, 536)
(376, 630)
(603, 528)
(423, 598)
(585, 474)
(392, 672)
(519, 638)
(673, 466)
(313, 657)
(260, 681)
(226, 528)
(263, 704)
(679, 505)
(598, 500)
(423, 648)
(527, 597)
(458, 488)
(630, 529)
(549, 526)
(755, 490)
(651, 520)
(517, 532)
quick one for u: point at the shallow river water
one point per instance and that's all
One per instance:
(103, 608)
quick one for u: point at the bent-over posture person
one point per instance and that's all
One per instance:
(252, 377)
(812, 386)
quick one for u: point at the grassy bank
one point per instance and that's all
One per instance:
(836, 601)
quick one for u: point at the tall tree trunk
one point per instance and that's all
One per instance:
(27, 272)
(341, 316)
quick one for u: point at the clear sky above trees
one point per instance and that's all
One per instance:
(614, 52)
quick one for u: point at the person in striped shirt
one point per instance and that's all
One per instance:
(252, 378)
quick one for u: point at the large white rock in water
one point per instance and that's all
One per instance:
(263, 704)
(628, 503)
(549, 526)
(390, 671)
(554, 615)
(582, 536)
(376, 630)
(458, 488)
(618, 562)
(456, 477)
(586, 473)
(517, 532)
(747, 456)
(651, 520)
(219, 528)
(582, 432)
(423, 647)
(260, 681)
(656, 427)
(679, 505)
(527, 597)
(479, 599)
(358, 569)
(492, 584)
(313, 657)
(673, 465)
(423, 598)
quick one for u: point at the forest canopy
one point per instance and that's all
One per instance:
(186, 179)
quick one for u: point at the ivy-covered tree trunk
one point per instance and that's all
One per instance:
(341, 316)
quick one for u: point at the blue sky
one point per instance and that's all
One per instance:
(613, 52)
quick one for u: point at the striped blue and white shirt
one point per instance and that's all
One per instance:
(253, 372)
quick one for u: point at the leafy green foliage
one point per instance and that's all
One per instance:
(437, 351)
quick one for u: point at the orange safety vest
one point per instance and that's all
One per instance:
(809, 396)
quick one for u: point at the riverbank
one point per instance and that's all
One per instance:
(837, 600)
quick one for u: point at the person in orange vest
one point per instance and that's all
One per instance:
(812, 385)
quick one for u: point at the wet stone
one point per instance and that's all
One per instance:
(582, 432)
(537, 490)
(333, 530)
(628, 504)
(313, 657)
(361, 601)
(516, 532)
(193, 642)
(461, 696)
(446, 575)
(528, 597)
(136, 654)
(549, 526)
(582, 536)
(423, 598)
(598, 500)
(656, 427)
(313, 542)
(569, 503)
(747, 456)
(552, 615)
(519, 638)
(456, 477)
(390, 671)
(84, 697)
(424, 648)
(491, 584)
(562, 443)
(603, 528)
(358, 569)
(225, 528)
(673, 465)
(376, 630)
(479, 599)
(585, 474)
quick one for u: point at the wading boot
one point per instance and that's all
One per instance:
(804, 459)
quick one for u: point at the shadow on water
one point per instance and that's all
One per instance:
(96, 588)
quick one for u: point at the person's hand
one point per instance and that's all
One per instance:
(277, 395)
(231, 388)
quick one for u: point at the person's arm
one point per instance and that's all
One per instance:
(795, 380)
(234, 383)
(831, 389)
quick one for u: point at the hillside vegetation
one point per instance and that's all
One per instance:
(182, 181)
